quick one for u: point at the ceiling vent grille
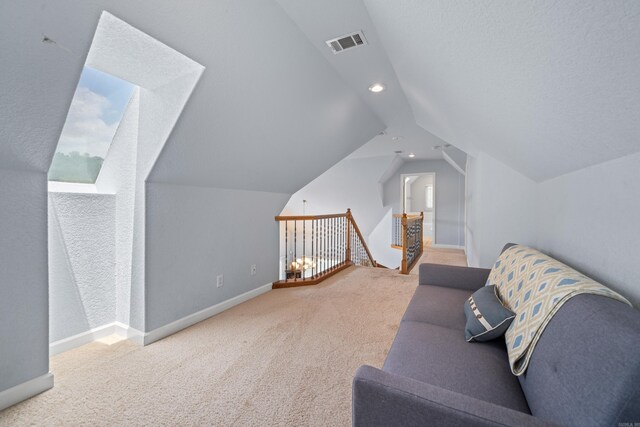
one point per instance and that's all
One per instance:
(342, 43)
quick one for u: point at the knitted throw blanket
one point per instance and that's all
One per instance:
(534, 286)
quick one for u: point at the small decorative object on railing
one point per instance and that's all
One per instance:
(317, 246)
(411, 239)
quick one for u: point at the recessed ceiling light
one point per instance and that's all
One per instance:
(396, 138)
(412, 155)
(377, 88)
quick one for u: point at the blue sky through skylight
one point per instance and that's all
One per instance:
(94, 115)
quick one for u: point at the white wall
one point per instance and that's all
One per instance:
(24, 320)
(501, 208)
(379, 242)
(82, 293)
(350, 183)
(418, 193)
(449, 198)
(354, 183)
(590, 220)
(197, 233)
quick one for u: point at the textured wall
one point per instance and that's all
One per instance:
(81, 263)
(589, 219)
(501, 208)
(547, 87)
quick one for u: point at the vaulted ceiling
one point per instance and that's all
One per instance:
(547, 87)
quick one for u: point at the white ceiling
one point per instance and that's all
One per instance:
(268, 114)
(360, 67)
(546, 86)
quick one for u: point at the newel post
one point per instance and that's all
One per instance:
(404, 266)
(422, 232)
(348, 236)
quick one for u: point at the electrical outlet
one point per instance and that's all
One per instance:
(254, 269)
(220, 281)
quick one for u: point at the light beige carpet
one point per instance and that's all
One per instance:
(284, 358)
(440, 256)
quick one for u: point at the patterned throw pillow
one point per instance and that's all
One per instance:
(487, 318)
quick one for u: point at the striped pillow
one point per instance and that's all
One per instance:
(487, 318)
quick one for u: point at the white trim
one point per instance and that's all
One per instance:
(80, 339)
(140, 338)
(439, 246)
(449, 160)
(25, 390)
(95, 334)
(192, 319)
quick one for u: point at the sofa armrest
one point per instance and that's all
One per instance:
(384, 399)
(450, 276)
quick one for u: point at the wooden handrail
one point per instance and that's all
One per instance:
(308, 217)
(407, 215)
(336, 243)
(357, 230)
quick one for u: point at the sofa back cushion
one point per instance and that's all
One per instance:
(585, 369)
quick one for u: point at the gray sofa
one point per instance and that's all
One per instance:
(584, 371)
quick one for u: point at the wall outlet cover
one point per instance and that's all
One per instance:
(220, 281)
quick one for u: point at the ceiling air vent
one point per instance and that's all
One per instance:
(342, 43)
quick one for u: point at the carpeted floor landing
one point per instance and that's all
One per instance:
(284, 358)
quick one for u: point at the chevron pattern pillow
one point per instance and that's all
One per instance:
(487, 318)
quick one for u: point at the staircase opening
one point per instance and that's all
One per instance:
(315, 247)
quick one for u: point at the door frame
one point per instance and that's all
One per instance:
(403, 198)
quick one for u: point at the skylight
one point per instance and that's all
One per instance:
(94, 116)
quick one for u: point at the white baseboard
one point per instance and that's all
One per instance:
(192, 319)
(439, 246)
(141, 338)
(95, 334)
(129, 333)
(25, 390)
(80, 339)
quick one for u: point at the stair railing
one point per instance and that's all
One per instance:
(410, 228)
(315, 247)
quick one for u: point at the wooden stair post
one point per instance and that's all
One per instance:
(404, 266)
(421, 233)
(348, 237)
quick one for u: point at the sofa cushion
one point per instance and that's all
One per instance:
(439, 306)
(487, 318)
(440, 356)
(585, 369)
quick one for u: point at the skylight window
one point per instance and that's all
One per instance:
(94, 116)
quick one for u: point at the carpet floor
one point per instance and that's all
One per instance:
(286, 357)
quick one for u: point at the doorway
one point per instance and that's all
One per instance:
(419, 195)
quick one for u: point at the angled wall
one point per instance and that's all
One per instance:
(501, 208)
(262, 123)
(589, 219)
